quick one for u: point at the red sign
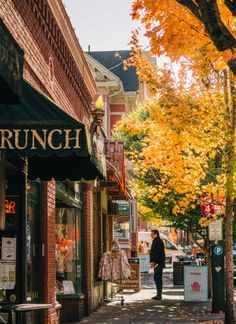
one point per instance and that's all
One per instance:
(12, 212)
(10, 206)
(211, 207)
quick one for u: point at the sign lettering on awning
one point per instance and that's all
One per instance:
(56, 145)
(56, 139)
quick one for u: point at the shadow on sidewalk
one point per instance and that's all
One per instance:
(139, 308)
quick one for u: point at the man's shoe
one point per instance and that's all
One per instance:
(157, 297)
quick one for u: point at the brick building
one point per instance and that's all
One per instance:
(46, 94)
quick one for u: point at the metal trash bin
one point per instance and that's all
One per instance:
(178, 271)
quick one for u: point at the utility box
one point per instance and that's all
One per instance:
(218, 279)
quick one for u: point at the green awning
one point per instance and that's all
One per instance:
(56, 145)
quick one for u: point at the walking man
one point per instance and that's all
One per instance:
(157, 261)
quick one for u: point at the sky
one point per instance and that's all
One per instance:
(105, 25)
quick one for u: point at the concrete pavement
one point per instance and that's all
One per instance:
(139, 308)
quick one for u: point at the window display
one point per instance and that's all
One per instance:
(68, 250)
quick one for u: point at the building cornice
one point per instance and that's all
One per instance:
(68, 32)
(52, 20)
(95, 64)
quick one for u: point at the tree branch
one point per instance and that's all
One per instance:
(208, 13)
(192, 7)
(231, 5)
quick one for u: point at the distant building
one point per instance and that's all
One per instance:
(120, 89)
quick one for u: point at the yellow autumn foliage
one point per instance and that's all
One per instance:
(181, 135)
(174, 30)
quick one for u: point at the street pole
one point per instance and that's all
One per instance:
(218, 280)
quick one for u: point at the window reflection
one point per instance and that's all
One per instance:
(68, 257)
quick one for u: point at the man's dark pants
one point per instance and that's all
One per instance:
(158, 279)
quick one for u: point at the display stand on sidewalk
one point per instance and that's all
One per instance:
(114, 268)
(116, 284)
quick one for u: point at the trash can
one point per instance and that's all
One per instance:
(178, 271)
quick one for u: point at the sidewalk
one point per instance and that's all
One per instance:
(139, 308)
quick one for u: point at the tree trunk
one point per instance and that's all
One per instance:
(209, 260)
(229, 307)
(229, 214)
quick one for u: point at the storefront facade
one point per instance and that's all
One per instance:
(45, 152)
(120, 91)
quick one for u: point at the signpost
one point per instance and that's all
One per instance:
(215, 231)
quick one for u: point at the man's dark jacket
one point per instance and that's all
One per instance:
(157, 253)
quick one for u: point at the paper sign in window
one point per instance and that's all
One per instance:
(9, 248)
(68, 287)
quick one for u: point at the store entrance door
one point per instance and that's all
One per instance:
(34, 250)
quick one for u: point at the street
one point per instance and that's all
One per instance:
(139, 308)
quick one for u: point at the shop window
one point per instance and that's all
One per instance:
(121, 230)
(68, 250)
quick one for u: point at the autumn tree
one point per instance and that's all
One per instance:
(182, 147)
(200, 31)
(184, 27)
(172, 141)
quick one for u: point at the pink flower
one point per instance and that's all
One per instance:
(195, 286)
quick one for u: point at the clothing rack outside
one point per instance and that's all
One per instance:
(116, 283)
(114, 268)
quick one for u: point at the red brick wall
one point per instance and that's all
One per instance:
(49, 198)
(31, 29)
(38, 45)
